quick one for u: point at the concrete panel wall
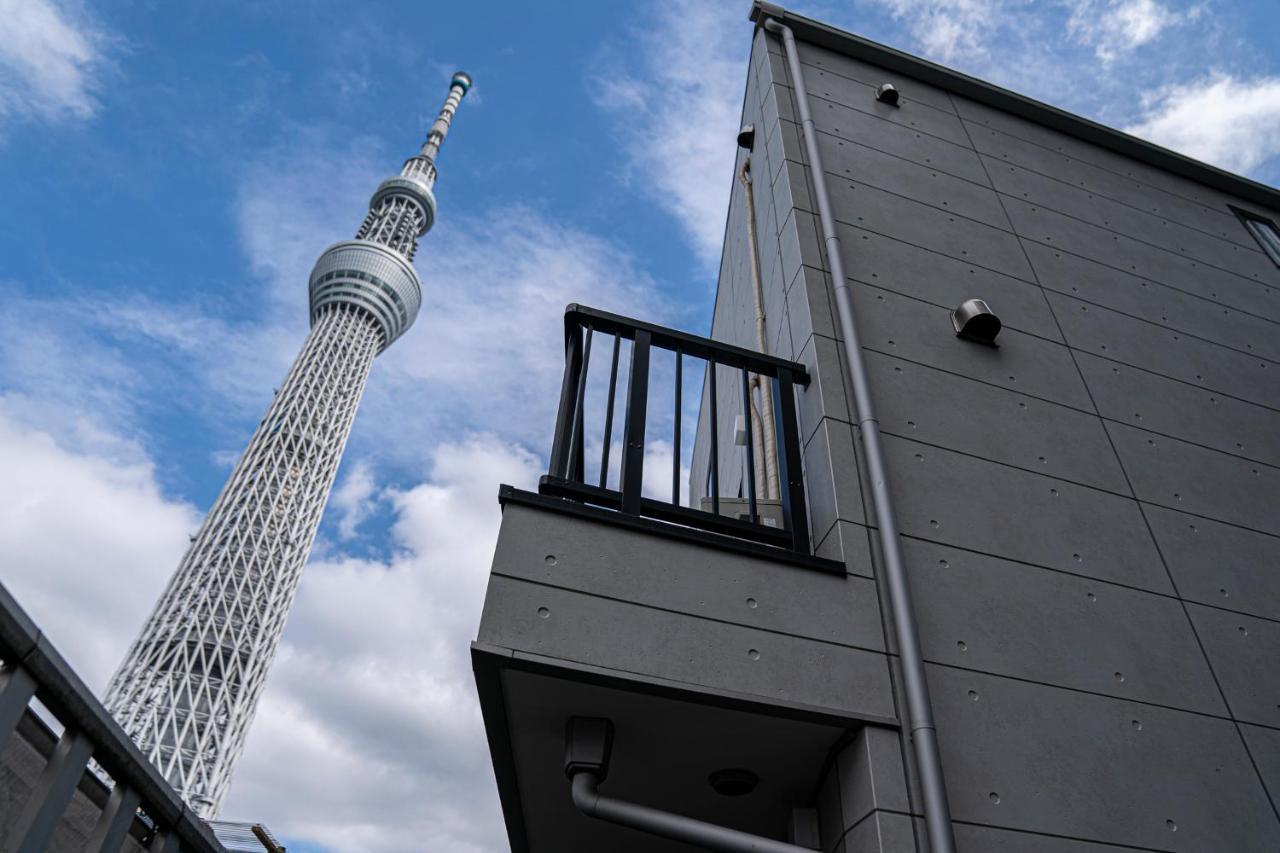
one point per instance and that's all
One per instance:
(863, 799)
(1091, 511)
(715, 621)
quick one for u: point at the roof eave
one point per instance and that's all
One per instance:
(823, 35)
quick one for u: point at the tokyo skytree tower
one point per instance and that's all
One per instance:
(187, 690)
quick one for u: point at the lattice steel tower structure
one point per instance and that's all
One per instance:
(188, 688)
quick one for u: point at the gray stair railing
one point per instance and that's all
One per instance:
(32, 668)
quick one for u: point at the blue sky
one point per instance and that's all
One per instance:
(171, 171)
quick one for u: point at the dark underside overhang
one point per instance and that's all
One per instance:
(668, 741)
(588, 617)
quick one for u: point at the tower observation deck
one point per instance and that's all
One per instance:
(188, 687)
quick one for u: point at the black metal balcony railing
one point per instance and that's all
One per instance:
(139, 809)
(568, 477)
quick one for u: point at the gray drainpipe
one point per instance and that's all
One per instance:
(924, 736)
(588, 744)
(699, 833)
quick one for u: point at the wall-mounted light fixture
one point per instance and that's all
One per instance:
(733, 781)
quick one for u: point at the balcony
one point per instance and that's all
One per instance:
(699, 623)
(777, 521)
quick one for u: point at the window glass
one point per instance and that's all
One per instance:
(1264, 231)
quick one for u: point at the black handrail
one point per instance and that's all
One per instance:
(32, 667)
(578, 316)
(568, 479)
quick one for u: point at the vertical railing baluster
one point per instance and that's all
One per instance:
(751, 450)
(165, 841)
(114, 822)
(16, 689)
(560, 446)
(790, 477)
(31, 821)
(579, 411)
(608, 413)
(675, 453)
(624, 488)
(715, 440)
(633, 428)
(32, 829)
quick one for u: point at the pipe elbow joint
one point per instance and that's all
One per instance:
(586, 797)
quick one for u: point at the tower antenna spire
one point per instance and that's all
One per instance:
(188, 688)
(458, 87)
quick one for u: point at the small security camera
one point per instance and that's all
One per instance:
(747, 137)
(887, 94)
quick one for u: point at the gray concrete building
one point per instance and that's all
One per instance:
(1061, 553)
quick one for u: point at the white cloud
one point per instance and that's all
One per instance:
(1115, 27)
(87, 542)
(970, 31)
(96, 368)
(354, 498)
(1222, 119)
(50, 61)
(677, 118)
(658, 460)
(298, 199)
(486, 349)
(58, 376)
(236, 363)
(1087, 56)
(373, 681)
(369, 735)
(948, 30)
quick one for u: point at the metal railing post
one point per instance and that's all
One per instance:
(790, 477)
(113, 824)
(636, 412)
(675, 436)
(752, 511)
(713, 425)
(608, 413)
(568, 387)
(32, 830)
(16, 689)
(165, 841)
(89, 731)
(576, 464)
